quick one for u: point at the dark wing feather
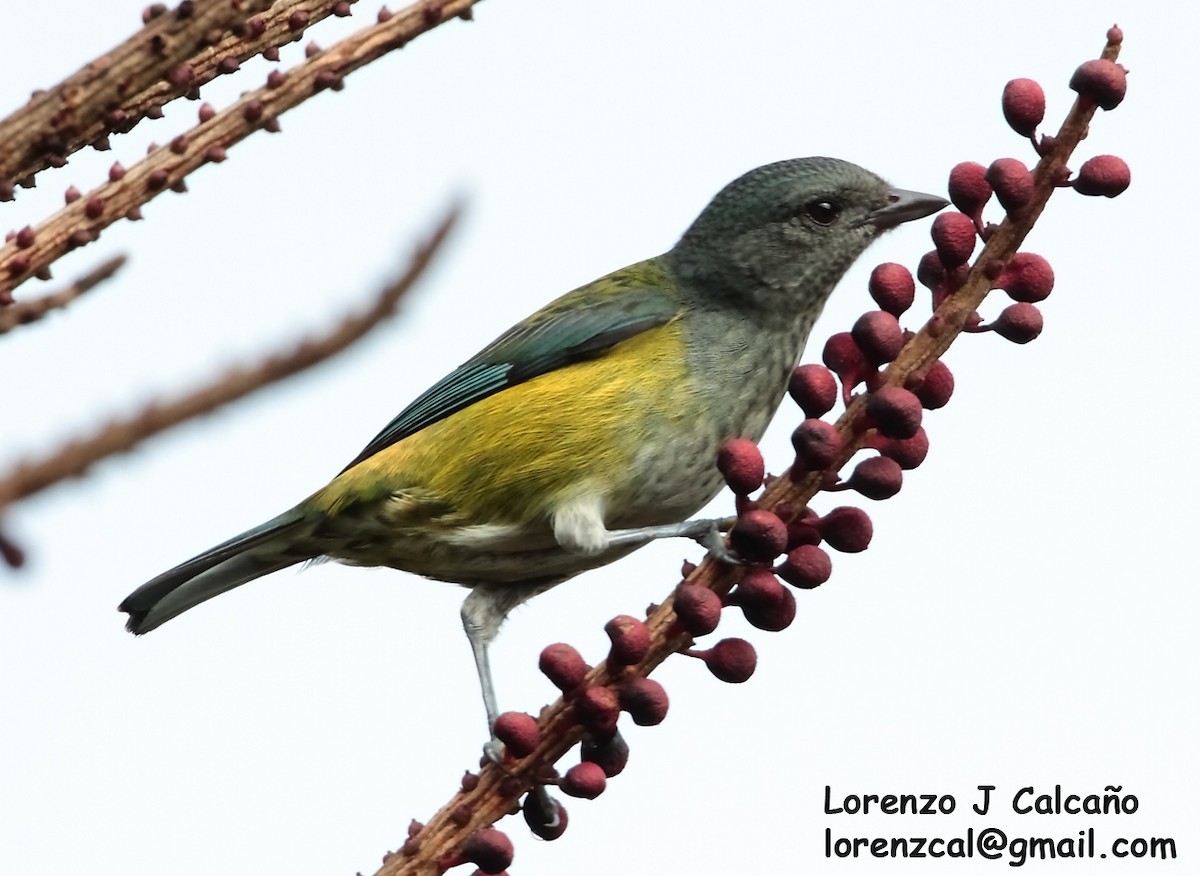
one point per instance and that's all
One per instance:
(576, 327)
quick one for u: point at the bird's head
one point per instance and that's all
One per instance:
(788, 231)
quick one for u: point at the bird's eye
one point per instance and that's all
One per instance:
(823, 211)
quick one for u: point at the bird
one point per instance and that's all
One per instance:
(591, 427)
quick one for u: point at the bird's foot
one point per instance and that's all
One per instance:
(493, 750)
(542, 812)
(713, 540)
(700, 530)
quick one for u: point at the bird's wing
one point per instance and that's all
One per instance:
(581, 325)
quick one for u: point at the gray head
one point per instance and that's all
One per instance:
(784, 233)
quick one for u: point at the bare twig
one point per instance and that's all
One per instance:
(81, 221)
(25, 312)
(498, 790)
(75, 457)
(57, 122)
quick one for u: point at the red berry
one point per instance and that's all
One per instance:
(630, 640)
(908, 452)
(846, 360)
(814, 389)
(518, 732)
(894, 411)
(488, 849)
(1012, 182)
(892, 287)
(930, 270)
(698, 608)
(730, 660)
(878, 334)
(563, 665)
(758, 536)
(817, 444)
(847, 529)
(935, 387)
(597, 710)
(803, 530)
(806, 567)
(740, 461)
(645, 701)
(1027, 277)
(876, 478)
(1105, 175)
(969, 188)
(585, 780)
(765, 602)
(1100, 80)
(1024, 105)
(1019, 323)
(954, 238)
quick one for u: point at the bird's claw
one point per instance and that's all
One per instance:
(713, 540)
(493, 750)
(546, 807)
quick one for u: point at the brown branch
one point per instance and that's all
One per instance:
(118, 436)
(98, 115)
(81, 221)
(25, 312)
(285, 22)
(497, 791)
(57, 122)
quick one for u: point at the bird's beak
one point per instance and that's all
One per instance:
(904, 206)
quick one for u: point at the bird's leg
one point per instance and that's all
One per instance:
(706, 532)
(486, 686)
(481, 622)
(483, 611)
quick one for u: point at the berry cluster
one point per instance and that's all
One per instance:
(886, 377)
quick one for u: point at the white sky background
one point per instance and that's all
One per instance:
(1024, 615)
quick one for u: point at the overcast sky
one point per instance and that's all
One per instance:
(1024, 617)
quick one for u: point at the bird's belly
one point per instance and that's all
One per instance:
(472, 498)
(468, 555)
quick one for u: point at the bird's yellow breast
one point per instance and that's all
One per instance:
(513, 456)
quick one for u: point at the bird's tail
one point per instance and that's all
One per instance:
(274, 545)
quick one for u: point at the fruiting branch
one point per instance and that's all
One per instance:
(83, 107)
(80, 222)
(886, 417)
